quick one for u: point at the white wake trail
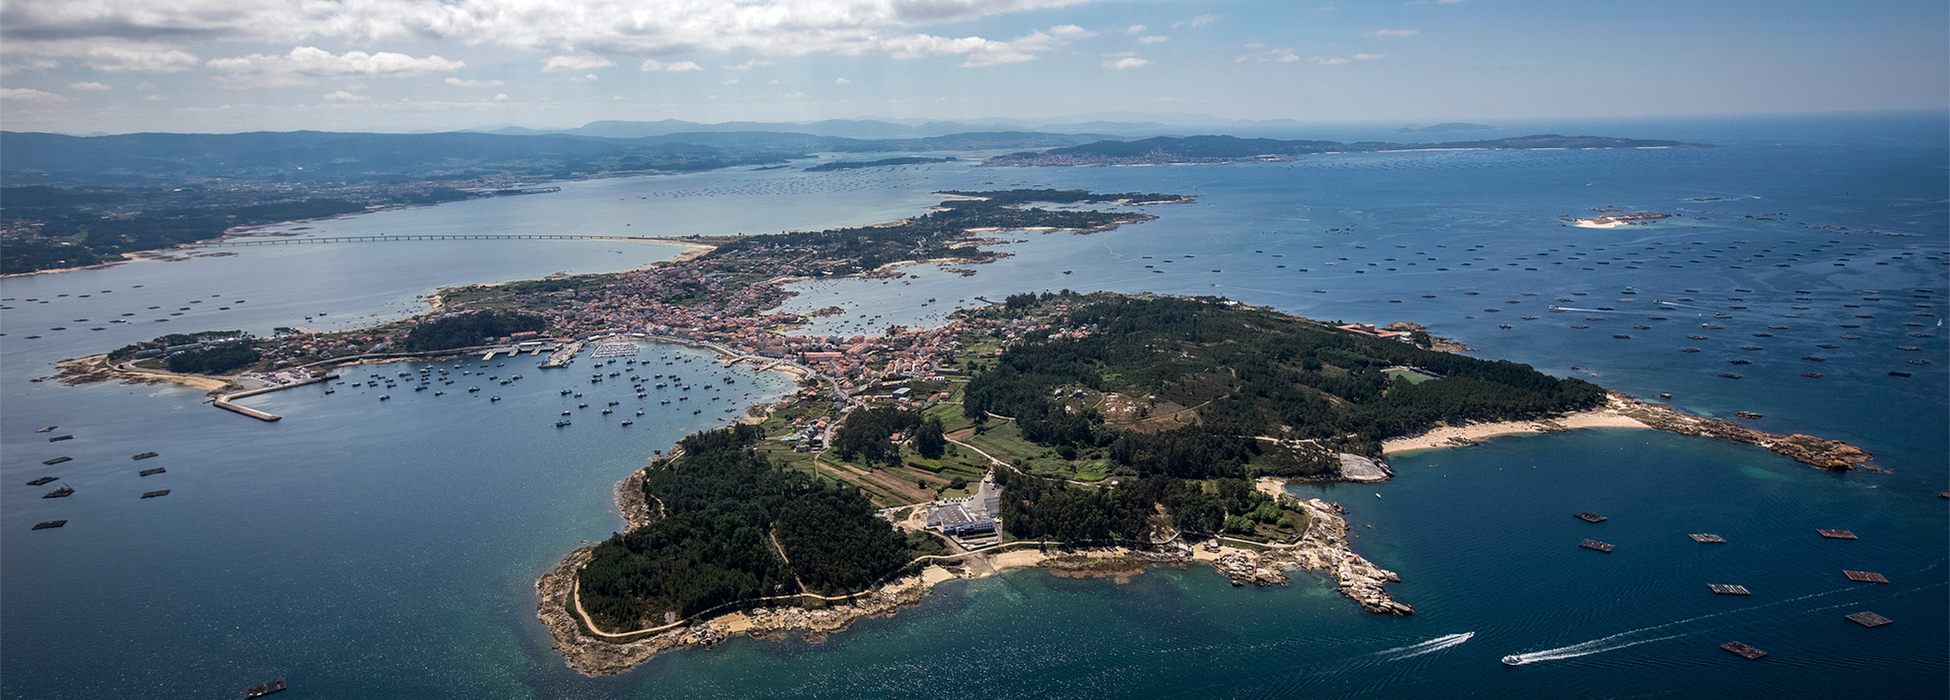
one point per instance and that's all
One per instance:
(1428, 647)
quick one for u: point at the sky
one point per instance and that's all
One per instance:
(117, 66)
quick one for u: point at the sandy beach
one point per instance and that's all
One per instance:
(1468, 434)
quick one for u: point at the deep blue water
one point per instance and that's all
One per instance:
(368, 548)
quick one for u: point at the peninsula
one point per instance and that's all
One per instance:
(1093, 434)
(1172, 150)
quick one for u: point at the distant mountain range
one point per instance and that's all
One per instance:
(316, 156)
(600, 148)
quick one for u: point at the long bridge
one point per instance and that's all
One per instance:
(295, 240)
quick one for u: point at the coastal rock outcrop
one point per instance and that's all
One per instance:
(1324, 549)
(1806, 449)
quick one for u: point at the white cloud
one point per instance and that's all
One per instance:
(1135, 29)
(307, 63)
(733, 81)
(29, 95)
(619, 98)
(503, 97)
(1395, 32)
(841, 81)
(1332, 61)
(458, 82)
(1153, 39)
(590, 78)
(154, 98)
(146, 85)
(1126, 63)
(1070, 32)
(89, 86)
(31, 64)
(767, 28)
(343, 96)
(1369, 56)
(652, 65)
(1195, 22)
(562, 63)
(748, 65)
(1273, 56)
(107, 55)
(775, 82)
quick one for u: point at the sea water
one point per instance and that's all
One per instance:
(363, 547)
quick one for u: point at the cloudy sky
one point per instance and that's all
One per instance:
(80, 66)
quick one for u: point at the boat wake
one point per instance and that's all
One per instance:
(1428, 647)
(1630, 638)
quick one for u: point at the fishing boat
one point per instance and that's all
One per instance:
(1513, 660)
(62, 492)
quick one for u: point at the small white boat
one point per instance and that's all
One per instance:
(1513, 660)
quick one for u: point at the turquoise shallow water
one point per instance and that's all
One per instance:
(367, 548)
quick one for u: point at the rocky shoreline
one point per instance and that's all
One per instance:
(1324, 549)
(1807, 449)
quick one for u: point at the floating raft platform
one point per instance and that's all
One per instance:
(1868, 619)
(143, 456)
(1589, 517)
(1743, 651)
(1865, 576)
(43, 481)
(153, 494)
(51, 524)
(1600, 546)
(151, 472)
(62, 492)
(57, 460)
(1708, 538)
(1838, 534)
(1728, 589)
(258, 691)
(58, 439)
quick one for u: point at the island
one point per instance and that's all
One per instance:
(1174, 150)
(1092, 434)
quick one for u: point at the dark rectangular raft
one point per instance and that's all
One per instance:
(143, 456)
(258, 691)
(1728, 589)
(153, 494)
(1594, 544)
(1708, 538)
(151, 472)
(1590, 517)
(51, 524)
(57, 460)
(1743, 651)
(1837, 534)
(1865, 576)
(1868, 619)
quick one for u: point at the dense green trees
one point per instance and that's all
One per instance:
(865, 436)
(467, 330)
(214, 360)
(929, 439)
(724, 506)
